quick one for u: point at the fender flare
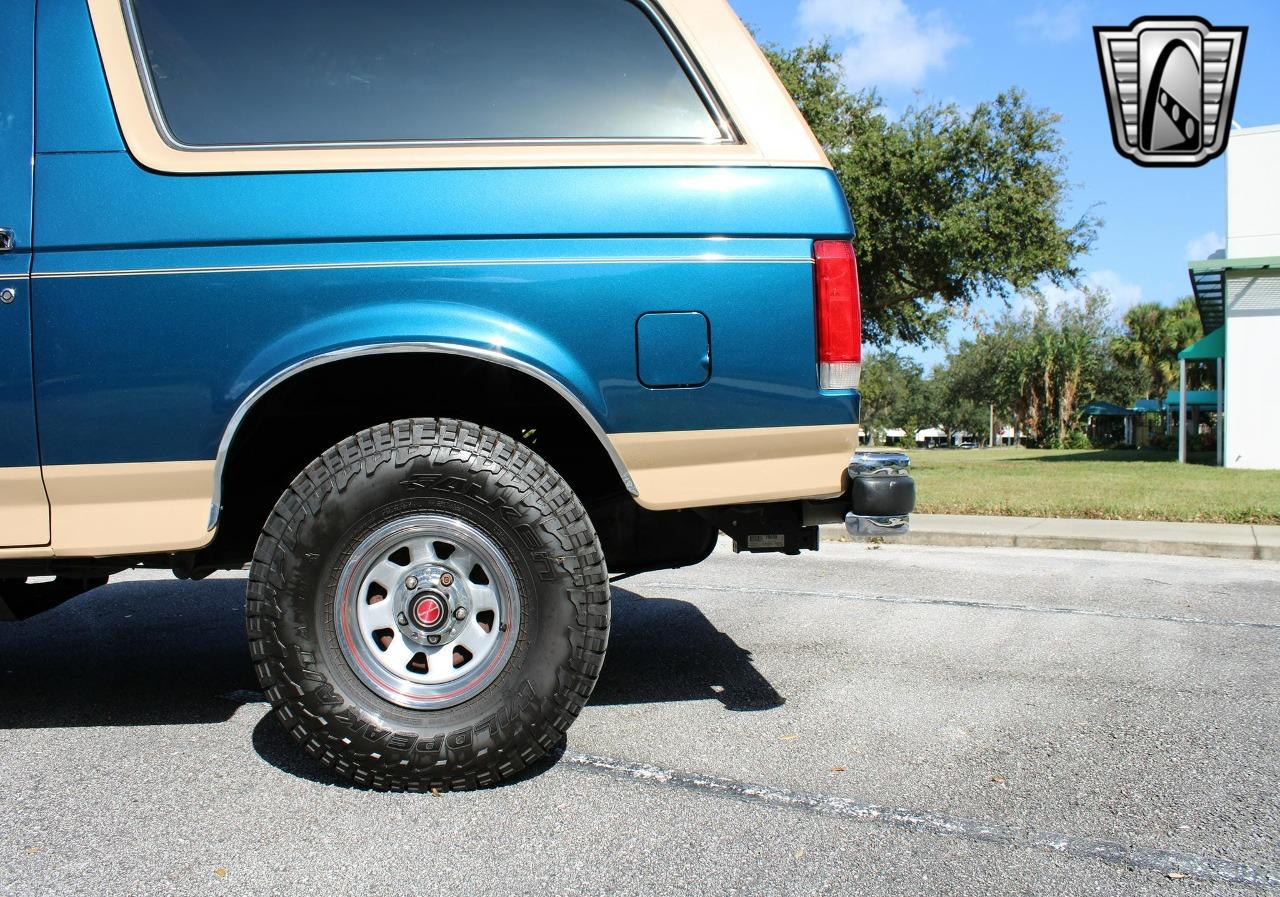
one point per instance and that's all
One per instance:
(391, 348)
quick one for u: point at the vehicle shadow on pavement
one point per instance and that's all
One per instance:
(140, 653)
(661, 650)
(167, 652)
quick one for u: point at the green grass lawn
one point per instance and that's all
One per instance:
(1111, 485)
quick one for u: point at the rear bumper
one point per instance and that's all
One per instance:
(882, 495)
(877, 502)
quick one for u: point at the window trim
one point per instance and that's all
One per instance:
(729, 133)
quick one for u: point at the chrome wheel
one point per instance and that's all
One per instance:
(427, 611)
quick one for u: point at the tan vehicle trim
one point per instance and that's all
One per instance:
(701, 468)
(772, 130)
(137, 508)
(99, 510)
(24, 510)
(25, 553)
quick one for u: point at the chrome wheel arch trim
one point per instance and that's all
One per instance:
(393, 348)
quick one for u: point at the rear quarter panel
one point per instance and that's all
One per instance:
(162, 300)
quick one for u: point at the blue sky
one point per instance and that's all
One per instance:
(916, 50)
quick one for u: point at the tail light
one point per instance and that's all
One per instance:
(839, 315)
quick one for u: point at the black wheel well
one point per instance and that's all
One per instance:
(309, 412)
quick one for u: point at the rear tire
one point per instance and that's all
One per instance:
(401, 542)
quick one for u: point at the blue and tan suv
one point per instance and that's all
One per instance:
(425, 313)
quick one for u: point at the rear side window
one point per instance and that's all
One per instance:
(286, 72)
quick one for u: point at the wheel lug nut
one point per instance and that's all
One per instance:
(446, 579)
(402, 619)
(411, 582)
(460, 613)
(433, 640)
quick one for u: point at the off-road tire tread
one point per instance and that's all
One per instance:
(292, 678)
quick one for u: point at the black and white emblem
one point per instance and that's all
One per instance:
(1170, 85)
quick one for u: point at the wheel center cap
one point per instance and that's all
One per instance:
(429, 611)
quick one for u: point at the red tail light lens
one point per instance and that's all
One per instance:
(839, 315)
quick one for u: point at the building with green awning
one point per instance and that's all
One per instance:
(1192, 404)
(1238, 295)
(1207, 348)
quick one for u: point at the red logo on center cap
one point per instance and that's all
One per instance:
(429, 611)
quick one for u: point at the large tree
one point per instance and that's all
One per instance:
(949, 205)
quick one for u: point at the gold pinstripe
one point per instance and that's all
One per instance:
(434, 263)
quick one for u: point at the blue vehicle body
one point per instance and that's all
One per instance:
(482, 279)
(483, 257)
(17, 409)
(161, 305)
(537, 308)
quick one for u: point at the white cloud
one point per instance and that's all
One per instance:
(1056, 24)
(1124, 294)
(886, 44)
(1056, 295)
(1204, 246)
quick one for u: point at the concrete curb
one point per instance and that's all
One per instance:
(1219, 540)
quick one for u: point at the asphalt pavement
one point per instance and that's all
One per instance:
(868, 720)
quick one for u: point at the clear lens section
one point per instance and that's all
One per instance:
(839, 375)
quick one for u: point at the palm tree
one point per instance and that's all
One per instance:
(1154, 335)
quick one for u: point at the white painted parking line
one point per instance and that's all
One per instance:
(1204, 868)
(955, 602)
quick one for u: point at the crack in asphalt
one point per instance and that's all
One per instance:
(1166, 862)
(957, 602)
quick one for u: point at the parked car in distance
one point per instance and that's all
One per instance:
(435, 317)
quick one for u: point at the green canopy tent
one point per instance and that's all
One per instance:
(1101, 422)
(1105, 409)
(1212, 347)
